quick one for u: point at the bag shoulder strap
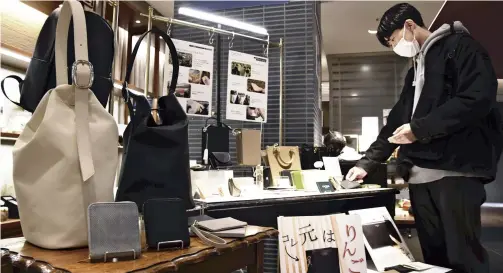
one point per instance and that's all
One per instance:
(20, 82)
(174, 77)
(82, 77)
(452, 43)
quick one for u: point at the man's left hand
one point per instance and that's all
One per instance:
(403, 135)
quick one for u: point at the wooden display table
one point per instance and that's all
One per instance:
(20, 256)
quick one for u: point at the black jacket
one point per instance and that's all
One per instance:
(457, 122)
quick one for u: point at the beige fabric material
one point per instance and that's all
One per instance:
(282, 158)
(248, 144)
(66, 157)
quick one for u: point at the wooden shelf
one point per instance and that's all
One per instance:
(11, 228)
(9, 135)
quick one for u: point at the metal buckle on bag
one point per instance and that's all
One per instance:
(75, 76)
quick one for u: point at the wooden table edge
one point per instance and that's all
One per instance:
(211, 251)
(25, 262)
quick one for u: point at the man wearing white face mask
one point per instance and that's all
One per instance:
(448, 128)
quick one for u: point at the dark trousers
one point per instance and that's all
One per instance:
(447, 214)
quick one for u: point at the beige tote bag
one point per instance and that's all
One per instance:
(66, 157)
(282, 158)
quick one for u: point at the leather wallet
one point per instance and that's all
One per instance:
(221, 224)
(166, 223)
(346, 184)
(113, 231)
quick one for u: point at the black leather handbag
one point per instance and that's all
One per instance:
(41, 73)
(155, 163)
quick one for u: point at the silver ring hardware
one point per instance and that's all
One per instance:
(74, 74)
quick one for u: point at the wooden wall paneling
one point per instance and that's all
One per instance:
(362, 85)
(44, 6)
(482, 19)
(125, 15)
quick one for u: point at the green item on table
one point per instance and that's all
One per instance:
(297, 180)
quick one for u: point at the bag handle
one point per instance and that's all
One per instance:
(277, 154)
(174, 58)
(19, 81)
(82, 77)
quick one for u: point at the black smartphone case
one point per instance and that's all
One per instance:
(166, 223)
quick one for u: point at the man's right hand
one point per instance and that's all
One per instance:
(356, 173)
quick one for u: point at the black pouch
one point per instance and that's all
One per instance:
(166, 223)
(220, 159)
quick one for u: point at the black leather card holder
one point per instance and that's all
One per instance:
(166, 223)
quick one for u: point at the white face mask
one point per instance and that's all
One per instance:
(406, 48)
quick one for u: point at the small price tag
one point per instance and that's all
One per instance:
(325, 186)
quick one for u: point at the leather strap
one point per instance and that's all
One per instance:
(172, 50)
(72, 8)
(208, 237)
(20, 82)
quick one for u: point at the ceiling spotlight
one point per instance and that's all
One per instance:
(221, 20)
(365, 68)
(138, 21)
(373, 32)
(354, 95)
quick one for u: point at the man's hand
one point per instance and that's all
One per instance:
(356, 173)
(403, 135)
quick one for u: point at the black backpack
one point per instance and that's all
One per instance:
(41, 73)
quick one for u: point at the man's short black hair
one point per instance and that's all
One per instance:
(394, 18)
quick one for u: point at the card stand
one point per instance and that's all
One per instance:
(176, 242)
(119, 256)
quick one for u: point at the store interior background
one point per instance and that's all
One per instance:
(336, 72)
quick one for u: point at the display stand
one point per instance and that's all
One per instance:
(218, 31)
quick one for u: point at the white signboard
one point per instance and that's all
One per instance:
(350, 239)
(247, 87)
(309, 243)
(195, 77)
(382, 238)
